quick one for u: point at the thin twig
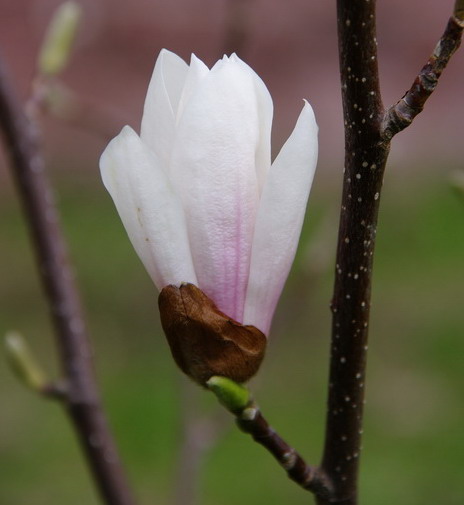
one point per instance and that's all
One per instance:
(237, 399)
(80, 394)
(401, 115)
(251, 421)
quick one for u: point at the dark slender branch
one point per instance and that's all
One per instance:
(401, 115)
(251, 421)
(366, 150)
(80, 394)
(365, 158)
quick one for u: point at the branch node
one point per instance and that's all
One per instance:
(289, 460)
(57, 390)
(249, 414)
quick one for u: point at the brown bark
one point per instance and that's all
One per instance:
(80, 394)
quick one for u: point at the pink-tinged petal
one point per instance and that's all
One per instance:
(161, 103)
(151, 213)
(213, 169)
(265, 114)
(279, 220)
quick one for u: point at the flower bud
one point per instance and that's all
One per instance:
(204, 206)
(59, 38)
(24, 363)
(204, 341)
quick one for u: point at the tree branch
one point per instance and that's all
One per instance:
(400, 116)
(367, 144)
(80, 397)
(365, 158)
(237, 399)
(251, 421)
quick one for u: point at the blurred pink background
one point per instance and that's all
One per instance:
(291, 45)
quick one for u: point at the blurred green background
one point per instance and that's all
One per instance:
(413, 440)
(413, 434)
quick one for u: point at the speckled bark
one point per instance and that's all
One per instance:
(368, 131)
(365, 159)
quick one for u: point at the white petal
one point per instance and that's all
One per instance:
(213, 169)
(151, 213)
(197, 71)
(161, 103)
(279, 220)
(265, 113)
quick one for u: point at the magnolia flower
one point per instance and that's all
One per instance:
(197, 193)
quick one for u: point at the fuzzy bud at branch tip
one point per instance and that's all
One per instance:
(204, 341)
(59, 39)
(24, 363)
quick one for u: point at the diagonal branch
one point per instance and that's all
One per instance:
(237, 399)
(81, 397)
(400, 116)
(250, 420)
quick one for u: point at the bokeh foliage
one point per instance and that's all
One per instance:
(413, 442)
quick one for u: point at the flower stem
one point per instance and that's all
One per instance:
(237, 399)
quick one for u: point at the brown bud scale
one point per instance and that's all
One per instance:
(204, 341)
